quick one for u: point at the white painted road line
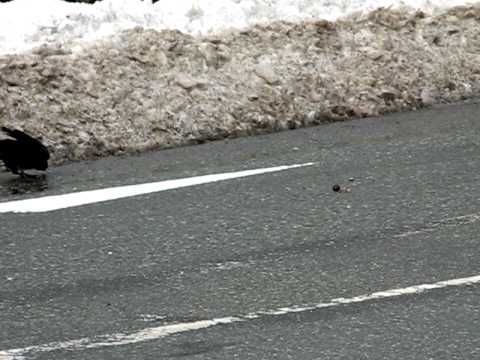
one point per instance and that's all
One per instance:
(156, 333)
(56, 202)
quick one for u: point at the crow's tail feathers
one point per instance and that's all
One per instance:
(8, 131)
(17, 134)
(5, 147)
(25, 138)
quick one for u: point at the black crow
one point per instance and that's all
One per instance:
(23, 153)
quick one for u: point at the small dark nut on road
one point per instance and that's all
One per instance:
(342, 189)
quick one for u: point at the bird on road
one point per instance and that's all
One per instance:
(22, 152)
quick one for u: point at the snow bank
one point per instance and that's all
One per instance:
(145, 89)
(25, 24)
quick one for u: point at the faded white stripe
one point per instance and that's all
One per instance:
(50, 203)
(155, 333)
(451, 221)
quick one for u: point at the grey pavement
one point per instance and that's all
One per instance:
(259, 243)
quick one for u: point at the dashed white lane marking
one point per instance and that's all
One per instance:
(56, 202)
(155, 333)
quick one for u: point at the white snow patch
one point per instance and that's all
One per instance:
(25, 24)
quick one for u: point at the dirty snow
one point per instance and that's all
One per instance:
(147, 88)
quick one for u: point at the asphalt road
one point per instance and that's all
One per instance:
(256, 244)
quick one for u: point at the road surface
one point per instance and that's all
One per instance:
(270, 266)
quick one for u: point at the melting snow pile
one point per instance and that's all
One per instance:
(95, 89)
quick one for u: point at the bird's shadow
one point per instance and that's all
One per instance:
(24, 185)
